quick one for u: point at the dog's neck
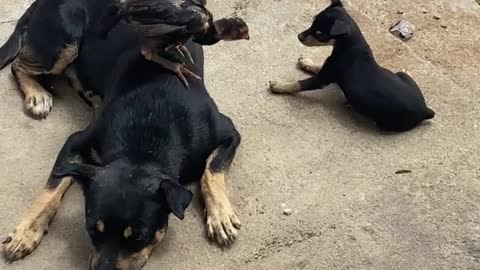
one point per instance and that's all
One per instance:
(353, 43)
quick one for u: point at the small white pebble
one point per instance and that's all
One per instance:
(287, 212)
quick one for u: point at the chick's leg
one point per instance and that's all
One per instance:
(179, 69)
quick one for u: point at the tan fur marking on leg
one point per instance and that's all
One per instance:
(308, 65)
(77, 85)
(72, 76)
(38, 101)
(139, 259)
(28, 234)
(65, 58)
(222, 223)
(279, 87)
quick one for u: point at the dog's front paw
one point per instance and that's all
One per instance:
(278, 87)
(222, 223)
(308, 65)
(22, 241)
(39, 104)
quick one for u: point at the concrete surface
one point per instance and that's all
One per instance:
(309, 152)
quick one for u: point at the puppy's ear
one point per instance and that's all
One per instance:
(177, 197)
(337, 3)
(340, 28)
(81, 172)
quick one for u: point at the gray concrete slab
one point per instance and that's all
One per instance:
(309, 152)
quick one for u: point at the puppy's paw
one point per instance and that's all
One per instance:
(22, 241)
(307, 65)
(39, 104)
(278, 87)
(222, 223)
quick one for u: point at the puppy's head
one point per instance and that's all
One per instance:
(127, 211)
(328, 26)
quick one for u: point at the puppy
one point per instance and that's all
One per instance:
(392, 100)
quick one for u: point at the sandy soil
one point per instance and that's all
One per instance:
(308, 153)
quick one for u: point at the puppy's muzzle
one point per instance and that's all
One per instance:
(307, 39)
(302, 36)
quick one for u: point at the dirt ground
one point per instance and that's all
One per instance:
(308, 153)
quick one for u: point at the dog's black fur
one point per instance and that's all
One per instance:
(152, 137)
(392, 100)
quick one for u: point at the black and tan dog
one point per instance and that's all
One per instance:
(47, 39)
(393, 100)
(150, 139)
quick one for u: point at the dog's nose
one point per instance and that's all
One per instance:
(301, 37)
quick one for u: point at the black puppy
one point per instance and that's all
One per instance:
(392, 100)
(150, 138)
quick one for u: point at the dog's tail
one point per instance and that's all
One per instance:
(429, 114)
(15, 42)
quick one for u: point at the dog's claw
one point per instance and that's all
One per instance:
(6, 239)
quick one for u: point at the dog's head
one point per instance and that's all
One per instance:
(330, 25)
(127, 211)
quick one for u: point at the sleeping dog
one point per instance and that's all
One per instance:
(150, 138)
(393, 100)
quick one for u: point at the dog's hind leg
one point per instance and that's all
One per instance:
(37, 100)
(222, 222)
(93, 100)
(28, 66)
(29, 232)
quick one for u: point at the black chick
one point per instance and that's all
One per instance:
(165, 25)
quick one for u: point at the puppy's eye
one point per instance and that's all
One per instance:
(318, 32)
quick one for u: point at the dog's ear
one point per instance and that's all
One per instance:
(337, 3)
(177, 197)
(81, 172)
(340, 28)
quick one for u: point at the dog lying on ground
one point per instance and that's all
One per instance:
(150, 138)
(47, 43)
(393, 100)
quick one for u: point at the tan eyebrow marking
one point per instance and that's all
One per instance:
(128, 232)
(100, 226)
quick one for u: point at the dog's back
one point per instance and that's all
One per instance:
(139, 89)
(393, 100)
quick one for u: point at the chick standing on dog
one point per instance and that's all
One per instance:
(168, 24)
(393, 100)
